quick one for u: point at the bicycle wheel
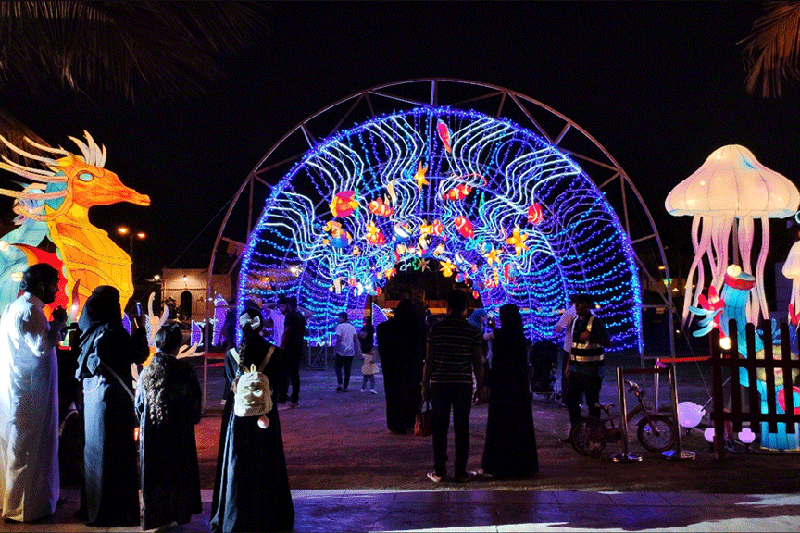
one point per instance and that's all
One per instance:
(588, 436)
(658, 435)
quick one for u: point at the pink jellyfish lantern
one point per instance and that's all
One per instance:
(725, 197)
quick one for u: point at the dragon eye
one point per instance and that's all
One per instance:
(85, 176)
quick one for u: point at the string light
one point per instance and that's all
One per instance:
(475, 179)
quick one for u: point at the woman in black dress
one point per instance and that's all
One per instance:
(111, 495)
(252, 487)
(510, 448)
(168, 404)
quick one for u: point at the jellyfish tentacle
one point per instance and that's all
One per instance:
(760, 263)
(700, 248)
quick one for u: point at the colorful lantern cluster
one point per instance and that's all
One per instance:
(458, 192)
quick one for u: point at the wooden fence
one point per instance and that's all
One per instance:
(736, 415)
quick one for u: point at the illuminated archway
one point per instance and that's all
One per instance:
(348, 209)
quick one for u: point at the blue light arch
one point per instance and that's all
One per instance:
(578, 244)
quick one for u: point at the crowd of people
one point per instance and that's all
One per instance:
(453, 363)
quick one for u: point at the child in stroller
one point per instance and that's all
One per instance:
(543, 356)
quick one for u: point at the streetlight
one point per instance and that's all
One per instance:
(125, 231)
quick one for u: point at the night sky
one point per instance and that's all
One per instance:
(659, 84)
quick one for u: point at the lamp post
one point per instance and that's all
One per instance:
(125, 231)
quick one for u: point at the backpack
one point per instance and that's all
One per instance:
(251, 390)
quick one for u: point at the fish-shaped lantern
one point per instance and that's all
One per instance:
(374, 234)
(379, 208)
(464, 227)
(344, 203)
(459, 192)
(444, 135)
(535, 215)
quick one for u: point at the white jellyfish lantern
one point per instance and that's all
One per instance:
(726, 196)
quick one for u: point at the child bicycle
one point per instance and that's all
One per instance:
(590, 434)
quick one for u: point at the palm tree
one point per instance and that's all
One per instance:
(139, 50)
(772, 49)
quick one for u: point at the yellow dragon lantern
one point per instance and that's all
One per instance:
(55, 204)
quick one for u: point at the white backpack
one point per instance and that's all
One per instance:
(252, 395)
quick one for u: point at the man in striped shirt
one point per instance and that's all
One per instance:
(453, 354)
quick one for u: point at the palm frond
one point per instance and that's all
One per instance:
(125, 47)
(15, 132)
(772, 49)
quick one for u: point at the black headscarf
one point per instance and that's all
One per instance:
(510, 338)
(102, 307)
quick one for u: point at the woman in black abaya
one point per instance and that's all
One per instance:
(168, 403)
(252, 487)
(401, 345)
(510, 448)
(111, 483)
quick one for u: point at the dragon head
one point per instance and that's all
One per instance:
(69, 180)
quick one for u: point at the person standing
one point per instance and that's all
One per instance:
(585, 368)
(251, 490)
(453, 354)
(292, 344)
(401, 347)
(509, 451)
(111, 484)
(168, 404)
(346, 342)
(29, 479)
(565, 324)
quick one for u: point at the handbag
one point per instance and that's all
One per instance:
(423, 426)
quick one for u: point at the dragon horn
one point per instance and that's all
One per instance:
(47, 175)
(85, 151)
(45, 148)
(23, 153)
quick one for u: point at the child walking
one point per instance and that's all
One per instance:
(369, 369)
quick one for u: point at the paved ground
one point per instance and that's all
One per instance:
(348, 473)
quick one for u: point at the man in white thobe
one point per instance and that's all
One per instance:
(29, 484)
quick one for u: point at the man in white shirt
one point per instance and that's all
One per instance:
(29, 482)
(346, 342)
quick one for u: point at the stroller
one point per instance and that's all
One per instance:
(543, 357)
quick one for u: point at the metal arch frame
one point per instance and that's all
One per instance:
(492, 91)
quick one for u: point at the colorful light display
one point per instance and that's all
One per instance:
(455, 191)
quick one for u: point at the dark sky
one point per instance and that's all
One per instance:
(659, 84)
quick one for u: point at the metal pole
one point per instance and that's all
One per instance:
(625, 456)
(678, 453)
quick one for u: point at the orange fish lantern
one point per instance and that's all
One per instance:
(344, 203)
(377, 207)
(437, 228)
(535, 214)
(444, 135)
(459, 192)
(374, 234)
(464, 227)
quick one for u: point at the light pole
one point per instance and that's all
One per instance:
(125, 231)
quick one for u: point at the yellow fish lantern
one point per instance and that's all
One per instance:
(75, 183)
